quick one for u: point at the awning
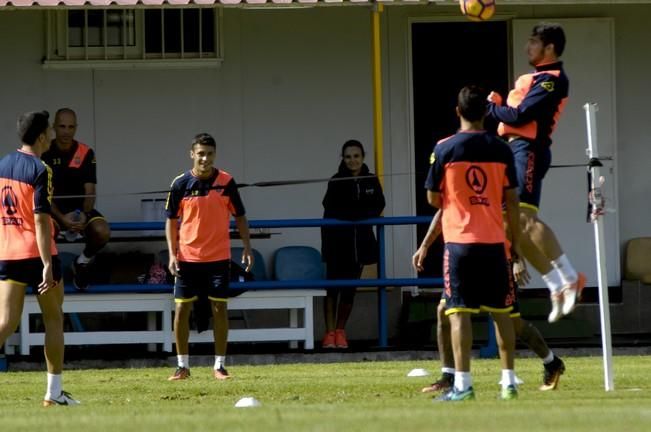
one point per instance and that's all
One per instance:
(132, 3)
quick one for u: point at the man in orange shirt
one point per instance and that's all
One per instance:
(28, 255)
(199, 206)
(472, 173)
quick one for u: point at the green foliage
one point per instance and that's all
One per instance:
(364, 396)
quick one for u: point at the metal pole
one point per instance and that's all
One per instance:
(377, 91)
(382, 320)
(598, 224)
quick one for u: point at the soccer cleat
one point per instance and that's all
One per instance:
(329, 340)
(64, 399)
(80, 276)
(180, 373)
(552, 374)
(557, 307)
(509, 392)
(442, 384)
(454, 395)
(340, 339)
(572, 294)
(221, 374)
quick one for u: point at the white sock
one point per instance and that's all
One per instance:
(553, 281)
(508, 378)
(462, 381)
(565, 269)
(220, 361)
(83, 259)
(53, 386)
(549, 357)
(447, 370)
(183, 360)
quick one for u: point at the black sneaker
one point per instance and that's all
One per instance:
(442, 384)
(80, 276)
(552, 374)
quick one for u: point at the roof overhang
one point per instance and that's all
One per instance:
(82, 4)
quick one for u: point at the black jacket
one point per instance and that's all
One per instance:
(354, 199)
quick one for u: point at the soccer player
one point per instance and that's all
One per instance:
(74, 173)
(28, 254)
(472, 173)
(199, 206)
(553, 366)
(527, 120)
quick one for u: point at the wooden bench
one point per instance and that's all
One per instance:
(156, 300)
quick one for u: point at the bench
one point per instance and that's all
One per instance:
(157, 300)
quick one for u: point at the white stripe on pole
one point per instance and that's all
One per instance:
(598, 224)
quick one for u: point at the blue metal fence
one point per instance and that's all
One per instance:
(382, 282)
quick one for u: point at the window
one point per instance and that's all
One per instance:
(115, 37)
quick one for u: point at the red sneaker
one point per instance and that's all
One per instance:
(329, 340)
(180, 373)
(221, 374)
(340, 339)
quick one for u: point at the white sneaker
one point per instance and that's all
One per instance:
(572, 293)
(557, 307)
(64, 398)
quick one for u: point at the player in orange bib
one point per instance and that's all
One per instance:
(28, 255)
(472, 173)
(527, 120)
(199, 207)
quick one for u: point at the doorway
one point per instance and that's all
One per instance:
(445, 57)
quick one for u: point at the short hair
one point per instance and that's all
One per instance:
(204, 139)
(353, 143)
(550, 33)
(64, 111)
(472, 103)
(32, 124)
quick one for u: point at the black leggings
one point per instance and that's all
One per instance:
(343, 271)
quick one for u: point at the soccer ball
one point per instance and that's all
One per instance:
(477, 10)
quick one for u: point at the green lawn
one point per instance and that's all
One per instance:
(364, 396)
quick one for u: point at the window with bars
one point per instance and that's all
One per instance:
(114, 36)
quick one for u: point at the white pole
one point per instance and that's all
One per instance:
(597, 207)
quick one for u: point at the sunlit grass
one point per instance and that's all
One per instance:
(364, 396)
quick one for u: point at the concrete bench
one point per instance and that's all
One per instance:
(157, 300)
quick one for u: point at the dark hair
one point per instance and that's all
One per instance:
(352, 143)
(32, 124)
(472, 103)
(204, 139)
(550, 33)
(64, 111)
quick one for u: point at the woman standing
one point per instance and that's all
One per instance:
(354, 193)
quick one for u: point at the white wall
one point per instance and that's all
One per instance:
(293, 86)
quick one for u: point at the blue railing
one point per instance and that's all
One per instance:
(381, 281)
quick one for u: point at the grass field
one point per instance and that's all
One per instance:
(364, 396)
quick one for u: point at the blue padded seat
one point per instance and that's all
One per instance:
(298, 262)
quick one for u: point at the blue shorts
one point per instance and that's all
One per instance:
(477, 277)
(209, 279)
(28, 271)
(532, 161)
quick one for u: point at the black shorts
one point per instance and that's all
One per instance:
(208, 279)
(477, 277)
(532, 161)
(28, 271)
